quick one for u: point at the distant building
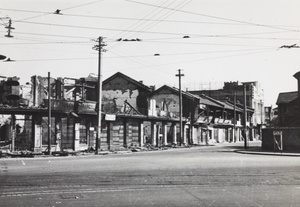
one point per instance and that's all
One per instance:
(269, 116)
(254, 99)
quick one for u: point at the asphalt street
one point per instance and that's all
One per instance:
(197, 176)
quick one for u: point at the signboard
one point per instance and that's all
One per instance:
(227, 121)
(221, 121)
(61, 105)
(277, 135)
(87, 107)
(110, 117)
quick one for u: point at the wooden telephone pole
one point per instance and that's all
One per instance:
(180, 106)
(99, 48)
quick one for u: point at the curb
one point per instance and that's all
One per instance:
(267, 153)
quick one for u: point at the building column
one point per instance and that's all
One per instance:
(141, 134)
(184, 142)
(199, 135)
(158, 138)
(58, 132)
(191, 133)
(13, 132)
(165, 133)
(37, 133)
(76, 136)
(153, 133)
(125, 133)
(174, 135)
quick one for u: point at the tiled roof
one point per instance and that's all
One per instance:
(287, 97)
(210, 101)
(119, 74)
(176, 91)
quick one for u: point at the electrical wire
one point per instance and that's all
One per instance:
(221, 57)
(125, 30)
(215, 17)
(53, 35)
(142, 63)
(47, 13)
(57, 59)
(202, 43)
(132, 26)
(142, 22)
(192, 53)
(139, 19)
(145, 41)
(164, 16)
(207, 59)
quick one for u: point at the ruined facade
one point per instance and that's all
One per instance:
(132, 115)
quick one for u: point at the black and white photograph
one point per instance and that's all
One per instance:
(133, 103)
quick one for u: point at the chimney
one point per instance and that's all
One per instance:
(152, 88)
(297, 76)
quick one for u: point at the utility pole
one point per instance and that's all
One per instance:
(261, 118)
(245, 117)
(99, 48)
(180, 106)
(49, 114)
(234, 114)
(9, 27)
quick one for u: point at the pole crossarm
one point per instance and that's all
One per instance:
(8, 27)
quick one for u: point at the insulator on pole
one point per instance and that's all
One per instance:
(9, 27)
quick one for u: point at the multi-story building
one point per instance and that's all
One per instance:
(232, 91)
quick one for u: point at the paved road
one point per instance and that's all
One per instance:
(198, 176)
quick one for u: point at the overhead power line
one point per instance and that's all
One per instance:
(144, 19)
(207, 59)
(137, 31)
(40, 43)
(57, 59)
(122, 18)
(98, 28)
(52, 35)
(215, 17)
(47, 13)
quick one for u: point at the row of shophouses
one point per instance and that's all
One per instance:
(133, 114)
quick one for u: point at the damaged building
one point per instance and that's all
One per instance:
(133, 115)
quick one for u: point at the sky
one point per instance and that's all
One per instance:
(210, 41)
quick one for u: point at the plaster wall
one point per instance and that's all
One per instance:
(113, 100)
(171, 102)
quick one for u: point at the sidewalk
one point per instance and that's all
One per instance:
(260, 151)
(238, 147)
